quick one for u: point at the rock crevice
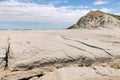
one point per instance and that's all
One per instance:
(7, 54)
(92, 46)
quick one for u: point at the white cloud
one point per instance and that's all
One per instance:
(65, 1)
(19, 11)
(58, 2)
(116, 13)
(99, 2)
(104, 9)
(82, 7)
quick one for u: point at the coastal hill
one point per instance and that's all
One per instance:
(96, 19)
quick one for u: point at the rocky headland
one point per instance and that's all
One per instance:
(75, 54)
(97, 19)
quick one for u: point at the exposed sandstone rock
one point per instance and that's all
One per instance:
(44, 50)
(34, 78)
(56, 49)
(23, 75)
(3, 52)
(53, 49)
(83, 73)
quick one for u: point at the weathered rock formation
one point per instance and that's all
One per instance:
(83, 73)
(96, 19)
(4, 49)
(23, 75)
(30, 54)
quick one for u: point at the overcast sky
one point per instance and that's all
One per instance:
(53, 10)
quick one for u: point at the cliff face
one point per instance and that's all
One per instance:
(95, 19)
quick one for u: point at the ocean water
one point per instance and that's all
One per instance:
(32, 25)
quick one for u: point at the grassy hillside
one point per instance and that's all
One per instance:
(92, 15)
(116, 16)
